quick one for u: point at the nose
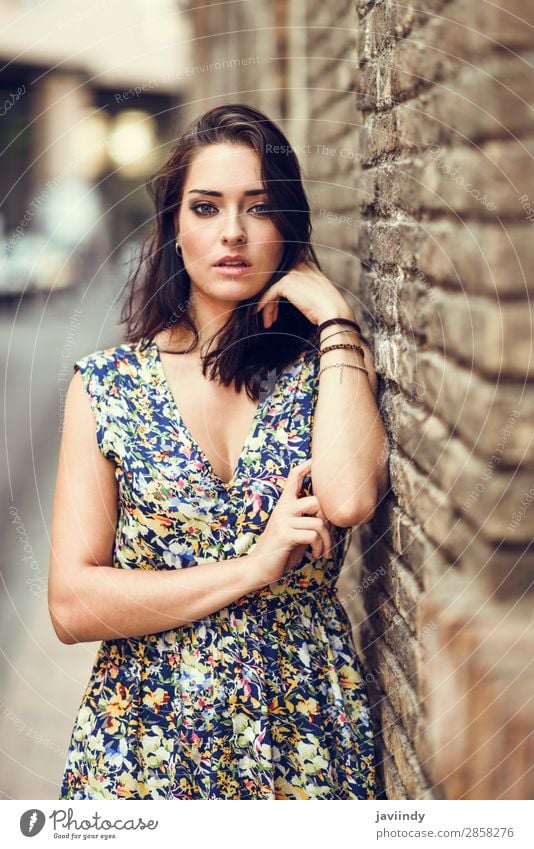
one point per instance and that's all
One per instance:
(233, 231)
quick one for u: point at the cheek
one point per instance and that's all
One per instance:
(195, 241)
(274, 243)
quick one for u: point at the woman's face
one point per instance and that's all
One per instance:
(225, 212)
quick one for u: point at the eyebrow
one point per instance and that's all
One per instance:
(249, 193)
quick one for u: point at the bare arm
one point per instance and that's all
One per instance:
(350, 446)
(88, 598)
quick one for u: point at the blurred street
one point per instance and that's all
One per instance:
(43, 678)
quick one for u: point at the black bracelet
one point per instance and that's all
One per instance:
(338, 321)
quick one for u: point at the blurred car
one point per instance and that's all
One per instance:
(63, 244)
(33, 262)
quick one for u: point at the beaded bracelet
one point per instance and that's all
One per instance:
(341, 366)
(342, 346)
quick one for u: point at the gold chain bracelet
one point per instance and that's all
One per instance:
(340, 366)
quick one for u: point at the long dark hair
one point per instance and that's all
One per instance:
(158, 290)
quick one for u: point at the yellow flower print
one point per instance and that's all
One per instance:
(309, 707)
(130, 788)
(349, 677)
(255, 700)
(119, 702)
(156, 699)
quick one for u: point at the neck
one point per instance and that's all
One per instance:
(209, 316)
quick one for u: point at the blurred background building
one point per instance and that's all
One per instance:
(413, 126)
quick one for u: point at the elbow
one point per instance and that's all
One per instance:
(358, 506)
(348, 515)
(62, 625)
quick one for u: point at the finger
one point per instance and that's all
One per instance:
(310, 538)
(307, 523)
(318, 546)
(322, 543)
(327, 542)
(296, 556)
(308, 504)
(266, 298)
(268, 315)
(294, 479)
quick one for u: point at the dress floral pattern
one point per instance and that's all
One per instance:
(263, 699)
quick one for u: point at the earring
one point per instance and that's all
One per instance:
(177, 248)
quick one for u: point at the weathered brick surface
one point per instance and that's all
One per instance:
(415, 120)
(445, 175)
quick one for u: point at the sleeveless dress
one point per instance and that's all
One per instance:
(263, 699)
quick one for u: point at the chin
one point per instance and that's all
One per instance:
(225, 286)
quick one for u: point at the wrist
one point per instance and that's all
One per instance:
(341, 310)
(253, 571)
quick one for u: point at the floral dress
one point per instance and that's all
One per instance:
(263, 699)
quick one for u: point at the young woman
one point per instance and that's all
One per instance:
(195, 532)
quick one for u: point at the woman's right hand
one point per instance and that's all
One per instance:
(289, 531)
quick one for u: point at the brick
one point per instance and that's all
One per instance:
(394, 787)
(409, 542)
(380, 295)
(421, 499)
(386, 619)
(491, 337)
(440, 292)
(505, 572)
(478, 488)
(508, 23)
(398, 690)
(334, 62)
(363, 7)
(442, 520)
(486, 260)
(436, 51)
(325, 18)
(446, 387)
(383, 26)
(330, 107)
(401, 587)
(427, 55)
(493, 101)
(479, 180)
(494, 338)
(476, 655)
(479, 183)
(395, 739)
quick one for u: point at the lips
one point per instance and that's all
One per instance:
(232, 261)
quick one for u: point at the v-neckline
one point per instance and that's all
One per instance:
(258, 415)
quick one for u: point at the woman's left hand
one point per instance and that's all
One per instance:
(309, 291)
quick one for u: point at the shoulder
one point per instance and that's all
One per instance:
(116, 356)
(110, 377)
(108, 365)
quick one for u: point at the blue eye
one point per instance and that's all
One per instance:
(267, 209)
(199, 205)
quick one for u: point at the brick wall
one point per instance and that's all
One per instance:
(412, 122)
(445, 138)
